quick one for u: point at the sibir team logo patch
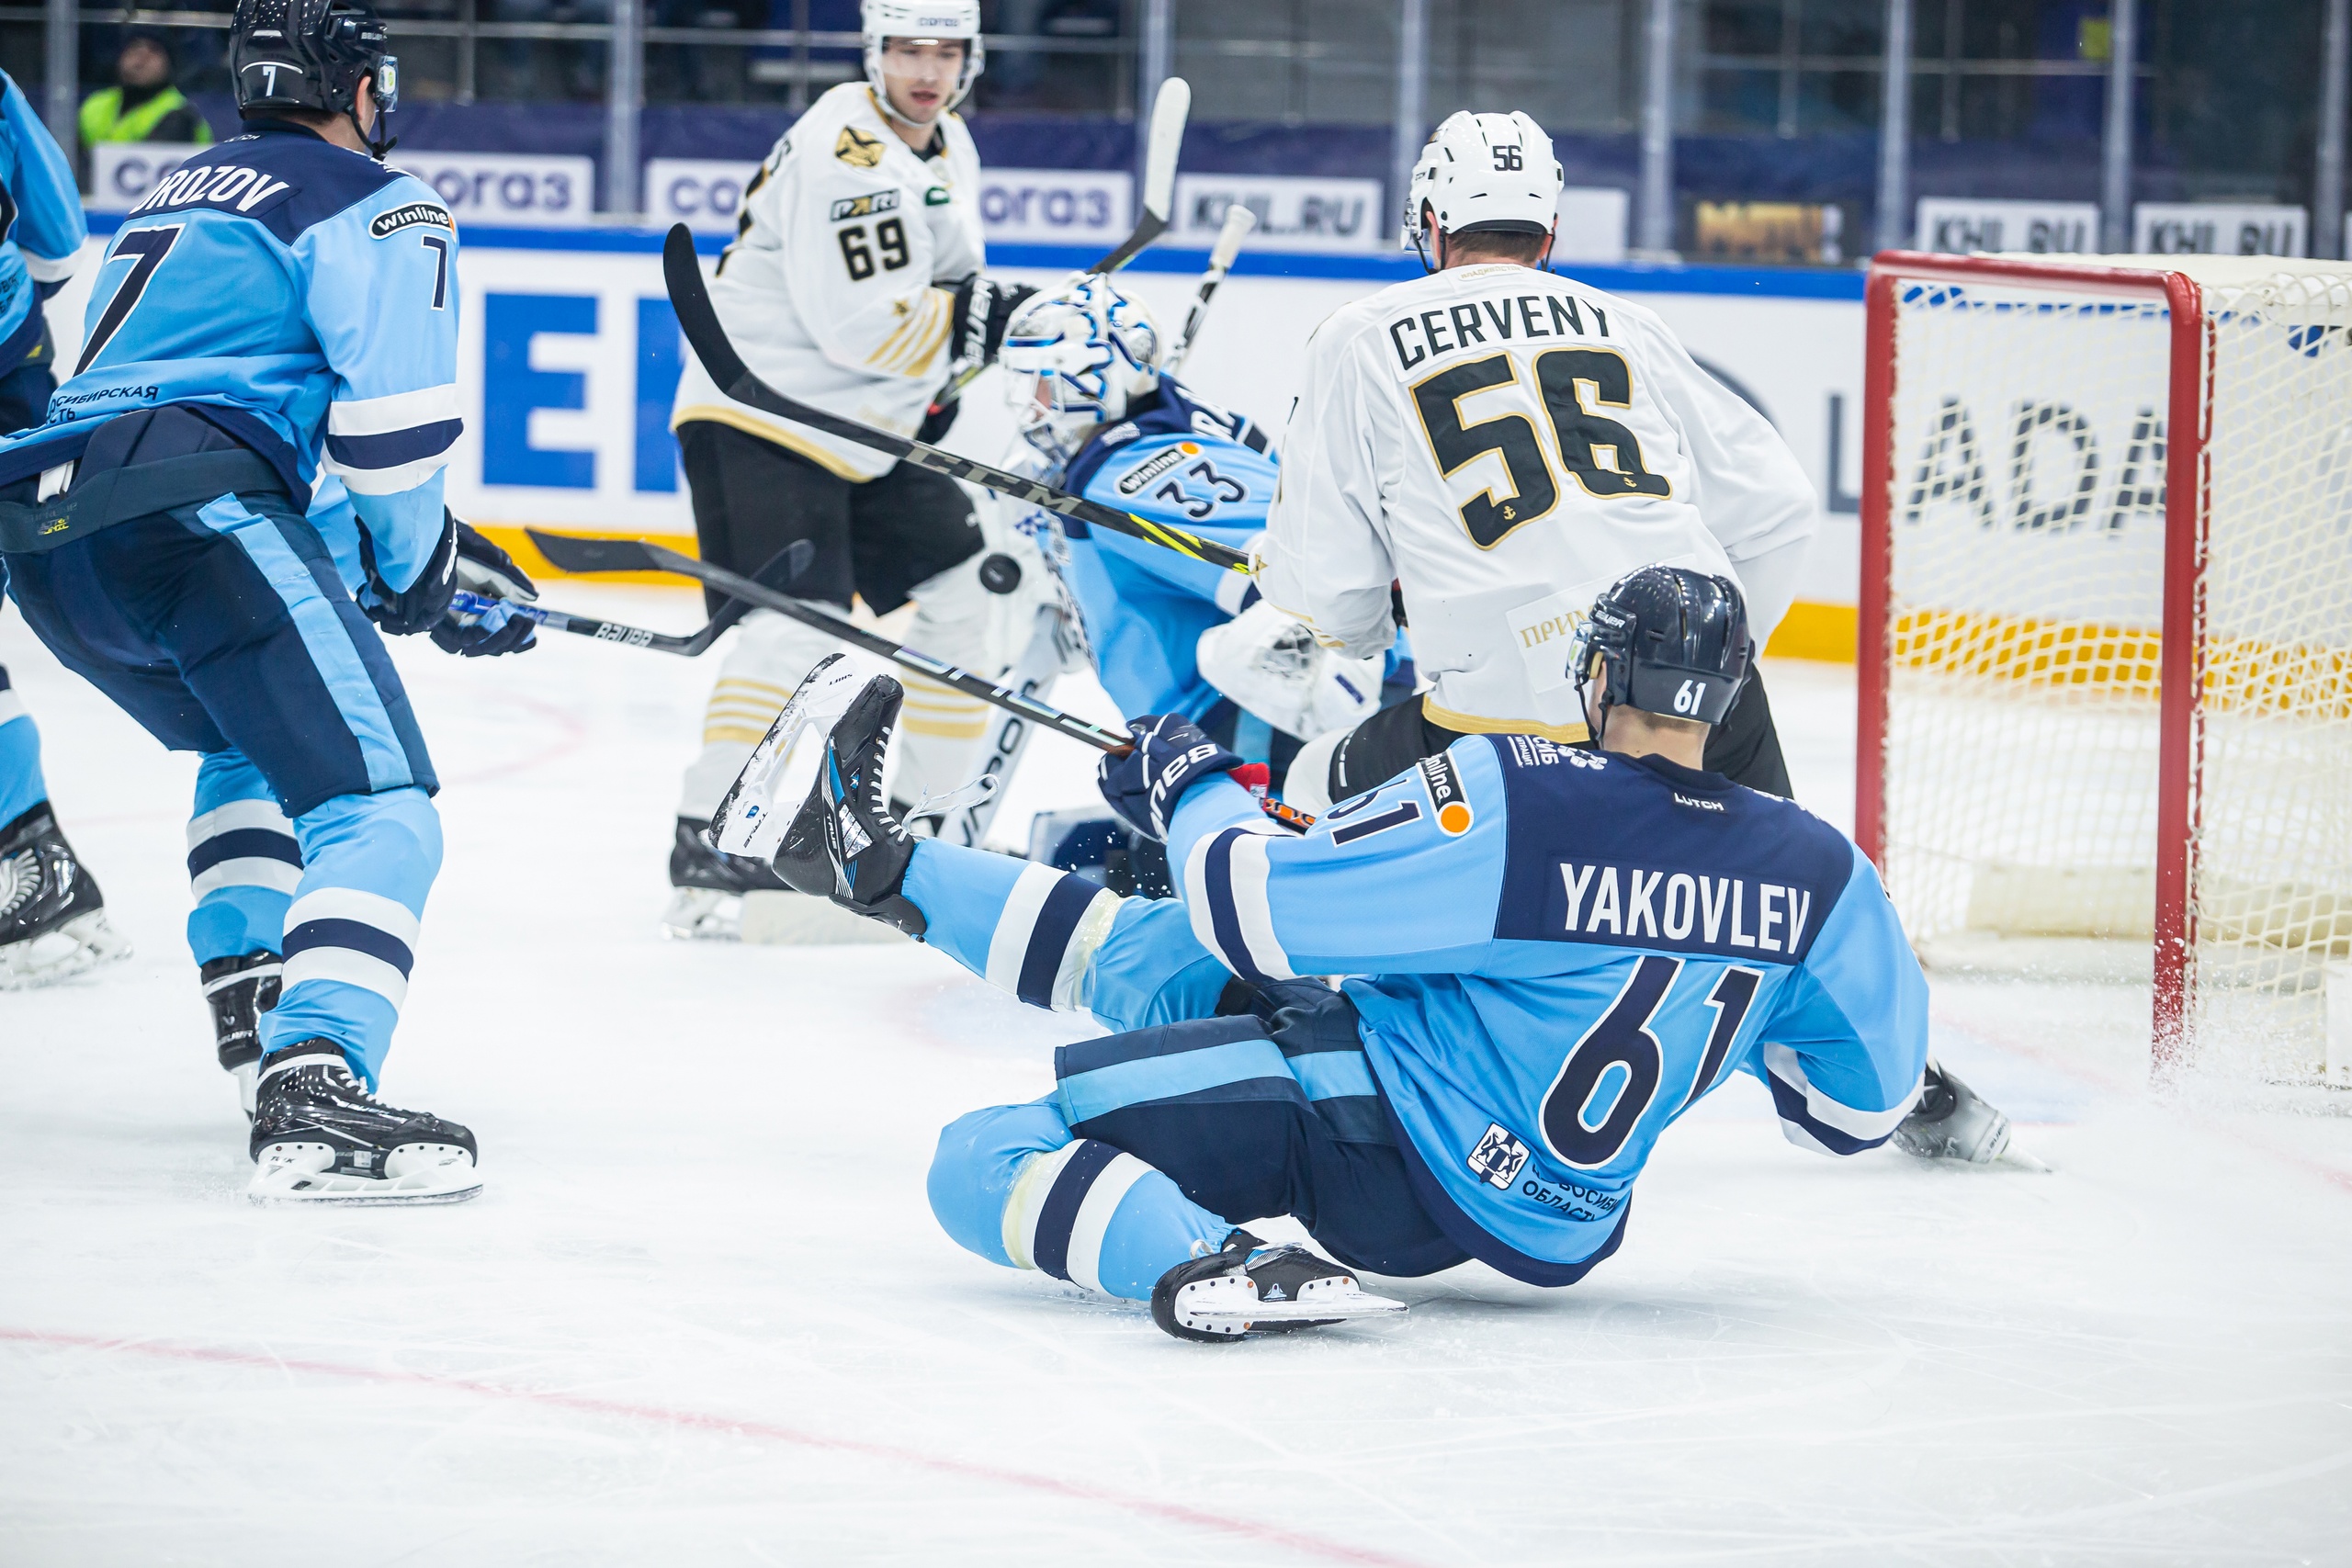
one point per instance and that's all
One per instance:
(871, 205)
(856, 149)
(415, 215)
(1143, 473)
(1498, 1157)
(1447, 798)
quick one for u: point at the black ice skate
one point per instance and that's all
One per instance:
(52, 918)
(238, 991)
(844, 845)
(707, 887)
(319, 1137)
(1251, 1287)
(1953, 1121)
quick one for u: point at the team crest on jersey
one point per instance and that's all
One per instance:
(1447, 798)
(1143, 473)
(1498, 1159)
(936, 196)
(415, 215)
(872, 203)
(856, 149)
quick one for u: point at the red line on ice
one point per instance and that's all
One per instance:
(693, 1420)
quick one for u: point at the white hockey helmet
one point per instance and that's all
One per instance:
(1075, 357)
(1484, 172)
(884, 19)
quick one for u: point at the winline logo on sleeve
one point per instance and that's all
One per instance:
(415, 215)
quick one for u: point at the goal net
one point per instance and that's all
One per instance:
(2107, 628)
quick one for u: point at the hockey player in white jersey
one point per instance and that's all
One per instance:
(1503, 443)
(853, 283)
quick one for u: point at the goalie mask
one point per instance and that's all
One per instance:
(1483, 173)
(1667, 640)
(310, 54)
(1075, 358)
(936, 21)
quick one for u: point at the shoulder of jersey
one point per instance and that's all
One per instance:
(288, 183)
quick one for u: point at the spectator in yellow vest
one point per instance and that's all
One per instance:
(145, 107)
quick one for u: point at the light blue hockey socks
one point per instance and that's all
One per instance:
(1055, 939)
(243, 861)
(1011, 1184)
(21, 785)
(368, 863)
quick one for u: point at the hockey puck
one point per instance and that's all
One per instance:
(1000, 573)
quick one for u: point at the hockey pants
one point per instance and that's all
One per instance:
(225, 629)
(1220, 1102)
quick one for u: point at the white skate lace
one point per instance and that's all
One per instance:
(963, 794)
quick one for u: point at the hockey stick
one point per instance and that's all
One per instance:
(590, 556)
(786, 566)
(1239, 221)
(1170, 109)
(691, 299)
(635, 555)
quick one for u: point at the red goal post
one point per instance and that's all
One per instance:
(2079, 714)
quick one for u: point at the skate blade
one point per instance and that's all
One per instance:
(300, 1173)
(248, 1075)
(1229, 1305)
(703, 914)
(761, 803)
(81, 944)
(2016, 1155)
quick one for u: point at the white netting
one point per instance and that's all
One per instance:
(2027, 532)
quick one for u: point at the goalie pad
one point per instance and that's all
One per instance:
(1270, 664)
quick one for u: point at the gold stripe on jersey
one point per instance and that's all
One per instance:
(1477, 724)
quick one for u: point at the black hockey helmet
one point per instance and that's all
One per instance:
(1667, 640)
(310, 54)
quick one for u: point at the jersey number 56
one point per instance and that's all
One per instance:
(1571, 387)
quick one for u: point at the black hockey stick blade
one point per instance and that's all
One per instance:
(587, 557)
(690, 297)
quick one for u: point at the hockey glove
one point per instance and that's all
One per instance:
(408, 611)
(484, 569)
(1172, 755)
(983, 309)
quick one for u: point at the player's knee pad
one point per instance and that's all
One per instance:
(979, 1163)
(1308, 787)
(387, 844)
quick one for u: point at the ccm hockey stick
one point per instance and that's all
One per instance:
(1170, 109)
(635, 555)
(786, 566)
(691, 299)
(1239, 221)
(588, 555)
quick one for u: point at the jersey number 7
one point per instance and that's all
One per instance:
(150, 247)
(1571, 386)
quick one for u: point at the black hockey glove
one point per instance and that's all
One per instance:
(408, 611)
(1172, 755)
(983, 309)
(484, 569)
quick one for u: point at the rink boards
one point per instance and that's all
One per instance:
(569, 356)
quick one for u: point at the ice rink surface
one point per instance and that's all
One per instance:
(702, 1314)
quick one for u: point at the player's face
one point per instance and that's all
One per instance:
(921, 74)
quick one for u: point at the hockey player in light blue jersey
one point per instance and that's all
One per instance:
(1169, 634)
(52, 918)
(280, 307)
(1552, 954)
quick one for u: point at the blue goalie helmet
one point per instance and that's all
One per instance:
(1667, 640)
(310, 54)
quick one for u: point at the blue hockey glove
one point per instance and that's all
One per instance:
(485, 569)
(1172, 755)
